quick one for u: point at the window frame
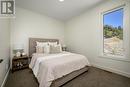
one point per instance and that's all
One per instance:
(126, 33)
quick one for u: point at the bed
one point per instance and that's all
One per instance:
(54, 70)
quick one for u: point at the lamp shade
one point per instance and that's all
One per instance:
(63, 45)
(18, 47)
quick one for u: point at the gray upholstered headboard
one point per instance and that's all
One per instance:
(32, 43)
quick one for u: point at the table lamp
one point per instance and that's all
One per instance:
(18, 49)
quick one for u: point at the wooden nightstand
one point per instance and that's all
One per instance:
(19, 63)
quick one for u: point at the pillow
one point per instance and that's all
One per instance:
(45, 46)
(52, 43)
(42, 44)
(47, 49)
(39, 49)
(55, 49)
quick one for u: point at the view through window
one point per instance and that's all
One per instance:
(113, 33)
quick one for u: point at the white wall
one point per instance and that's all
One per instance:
(4, 47)
(30, 24)
(83, 36)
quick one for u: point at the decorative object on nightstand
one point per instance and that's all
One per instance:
(19, 63)
(18, 50)
(24, 54)
(64, 47)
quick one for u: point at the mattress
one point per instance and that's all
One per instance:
(49, 67)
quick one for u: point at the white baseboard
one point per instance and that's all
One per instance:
(5, 79)
(113, 70)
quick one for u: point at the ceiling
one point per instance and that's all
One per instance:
(60, 10)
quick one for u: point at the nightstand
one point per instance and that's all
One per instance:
(19, 63)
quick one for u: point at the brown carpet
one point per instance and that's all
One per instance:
(93, 78)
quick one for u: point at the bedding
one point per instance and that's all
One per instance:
(48, 47)
(55, 49)
(41, 44)
(52, 43)
(49, 67)
(39, 49)
(44, 45)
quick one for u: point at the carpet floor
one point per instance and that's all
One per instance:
(93, 78)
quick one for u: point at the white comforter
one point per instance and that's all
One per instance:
(47, 68)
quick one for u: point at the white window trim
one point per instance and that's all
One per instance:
(126, 41)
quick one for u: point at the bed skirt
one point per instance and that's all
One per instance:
(61, 81)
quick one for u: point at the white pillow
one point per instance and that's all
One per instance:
(55, 49)
(42, 44)
(45, 45)
(39, 49)
(52, 43)
(47, 49)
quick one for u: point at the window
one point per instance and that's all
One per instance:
(113, 41)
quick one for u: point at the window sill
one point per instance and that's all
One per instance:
(118, 58)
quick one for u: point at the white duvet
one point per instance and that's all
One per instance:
(49, 67)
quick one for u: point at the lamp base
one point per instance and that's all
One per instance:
(18, 54)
